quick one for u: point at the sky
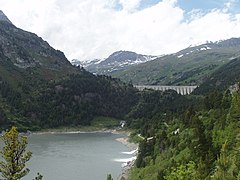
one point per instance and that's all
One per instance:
(90, 29)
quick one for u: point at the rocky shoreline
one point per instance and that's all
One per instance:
(134, 149)
(125, 141)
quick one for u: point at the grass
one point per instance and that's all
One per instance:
(169, 69)
(104, 122)
(135, 138)
(97, 124)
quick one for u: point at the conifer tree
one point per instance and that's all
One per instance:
(184, 172)
(109, 177)
(15, 156)
(224, 166)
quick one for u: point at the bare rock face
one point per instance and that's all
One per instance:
(25, 51)
(3, 17)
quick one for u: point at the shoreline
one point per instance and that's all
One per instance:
(77, 131)
(125, 141)
(133, 147)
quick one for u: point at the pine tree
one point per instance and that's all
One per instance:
(15, 156)
(184, 172)
(224, 166)
(109, 177)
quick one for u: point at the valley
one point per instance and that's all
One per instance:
(181, 108)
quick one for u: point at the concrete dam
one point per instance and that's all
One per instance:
(183, 90)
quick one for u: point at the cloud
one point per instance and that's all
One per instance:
(230, 3)
(88, 29)
(130, 5)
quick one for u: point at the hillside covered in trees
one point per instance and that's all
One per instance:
(74, 100)
(197, 142)
(222, 78)
(185, 137)
(39, 88)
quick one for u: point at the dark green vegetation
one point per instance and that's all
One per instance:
(222, 78)
(109, 177)
(74, 100)
(39, 88)
(197, 142)
(190, 66)
(15, 156)
(104, 122)
(77, 100)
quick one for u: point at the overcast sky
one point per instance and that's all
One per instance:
(88, 29)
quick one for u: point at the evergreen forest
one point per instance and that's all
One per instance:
(196, 139)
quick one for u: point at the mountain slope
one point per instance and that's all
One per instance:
(190, 66)
(4, 18)
(25, 54)
(39, 88)
(221, 79)
(116, 62)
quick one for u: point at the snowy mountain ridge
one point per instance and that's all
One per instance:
(117, 61)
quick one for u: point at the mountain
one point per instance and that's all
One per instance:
(190, 66)
(25, 54)
(226, 76)
(85, 64)
(40, 88)
(4, 18)
(116, 62)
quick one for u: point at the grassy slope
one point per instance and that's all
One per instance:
(190, 69)
(221, 79)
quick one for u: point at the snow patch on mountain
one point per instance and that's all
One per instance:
(119, 60)
(193, 49)
(180, 56)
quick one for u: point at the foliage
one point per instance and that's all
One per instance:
(39, 88)
(15, 156)
(224, 165)
(104, 122)
(184, 172)
(109, 177)
(191, 143)
(74, 100)
(222, 78)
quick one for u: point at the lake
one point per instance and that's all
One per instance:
(76, 156)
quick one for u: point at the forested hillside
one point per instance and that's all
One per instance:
(222, 78)
(198, 142)
(75, 100)
(39, 88)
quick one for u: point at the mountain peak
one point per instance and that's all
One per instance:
(122, 54)
(117, 61)
(3, 17)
